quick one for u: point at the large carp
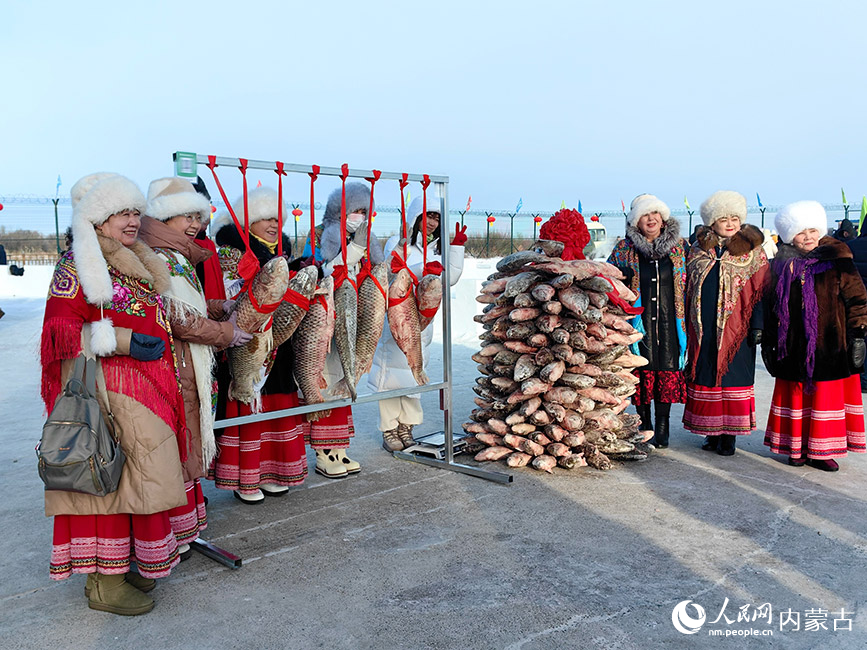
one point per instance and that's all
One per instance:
(246, 362)
(428, 296)
(403, 321)
(371, 317)
(346, 329)
(267, 287)
(311, 343)
(288, 315)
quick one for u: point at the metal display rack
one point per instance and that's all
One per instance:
(440, 185)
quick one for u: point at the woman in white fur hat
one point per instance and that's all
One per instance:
(259, 459)
(175, 212)
(652, 255)
(814, 342)
(390, 370)
(107, 291)
(727, 273)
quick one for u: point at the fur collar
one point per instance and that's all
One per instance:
(229, 236)
(158, 234)
(747, 239)
(828, 249)
(137, 261)
(660, 247)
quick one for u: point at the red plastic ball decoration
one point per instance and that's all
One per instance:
(491, 219)
(595, 217)
(537, 219)
(297, 212)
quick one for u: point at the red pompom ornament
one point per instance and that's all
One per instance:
(491, 219)
(568, 227)
(537, 219)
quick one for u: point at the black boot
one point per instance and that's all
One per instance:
(660, 438)
(643, 411)
(726, 445)
(711, 443)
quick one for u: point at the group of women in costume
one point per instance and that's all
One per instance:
(144, 290)
(708, 306)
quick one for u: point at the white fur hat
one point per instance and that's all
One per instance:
(725, 203)
(645, 204)
(416, 205)
(95, 200)
(173, 196)
(799, 216)
(262, 204)
(85, 183)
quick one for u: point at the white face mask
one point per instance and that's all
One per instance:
(353, 221)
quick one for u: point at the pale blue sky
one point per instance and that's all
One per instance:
(539, 100)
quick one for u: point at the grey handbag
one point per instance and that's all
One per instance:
(79, 451)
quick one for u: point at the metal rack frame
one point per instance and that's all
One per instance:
(440, 185)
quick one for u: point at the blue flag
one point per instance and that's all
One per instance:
(758, 198)
(57, 189)
(579, 207)
(520, 203)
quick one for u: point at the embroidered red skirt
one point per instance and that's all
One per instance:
(333, 432)
(824, 424)
(108, 544)
(269, 451)
(188, 520)
(666, 386)
(713, 411)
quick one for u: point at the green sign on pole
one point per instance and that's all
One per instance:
(185, 164)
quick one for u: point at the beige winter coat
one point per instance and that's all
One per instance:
(151, 481)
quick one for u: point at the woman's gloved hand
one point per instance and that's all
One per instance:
(754, 337)
(144, 347)
(228, 305)
(360, 235)
(460, 237)
(857, 352)
(239, 336)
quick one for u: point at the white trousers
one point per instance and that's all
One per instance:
(399, 410)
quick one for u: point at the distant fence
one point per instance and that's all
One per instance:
(27, 225)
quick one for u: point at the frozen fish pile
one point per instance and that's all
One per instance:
(556, 370)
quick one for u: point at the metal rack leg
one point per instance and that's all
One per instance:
(216, 553)
(497, 477)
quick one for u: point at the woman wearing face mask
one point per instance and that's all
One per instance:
(107, 291)
(653, 258)
(390, 371)
(813, 342)
(330, 436)
(174, 215)
(259, 459)
(726, 277)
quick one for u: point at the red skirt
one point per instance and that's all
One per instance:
(713, 411)
(269, 451)
(666, 386)
(333, 432)
(188, 520)
(824, 424)
(108, 544)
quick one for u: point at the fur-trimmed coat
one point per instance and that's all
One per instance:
(143, 396)
(656, 272)
(840, 313)
(726, 281)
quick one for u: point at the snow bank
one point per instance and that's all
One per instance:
(33, 284)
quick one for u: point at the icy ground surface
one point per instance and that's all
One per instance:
(407, 556)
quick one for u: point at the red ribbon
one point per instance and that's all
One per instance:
(398, 263)
(341, 275)
(616, 300)
(263, 309)
(403, 183)
(248, 265)
(296, 299)
(321, 300)
(429, 313)
(367, 272)
(425, 183)
(280, 175)
(313, 176)
(372, 181)
(433, 268)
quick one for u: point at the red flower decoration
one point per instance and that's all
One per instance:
(568, 227)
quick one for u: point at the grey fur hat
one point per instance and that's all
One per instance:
(357, 197)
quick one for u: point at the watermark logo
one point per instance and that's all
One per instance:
(683, 622)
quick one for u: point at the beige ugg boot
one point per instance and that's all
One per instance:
(112, 593)
(136, 580)
(352, 466)
(329, 465)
